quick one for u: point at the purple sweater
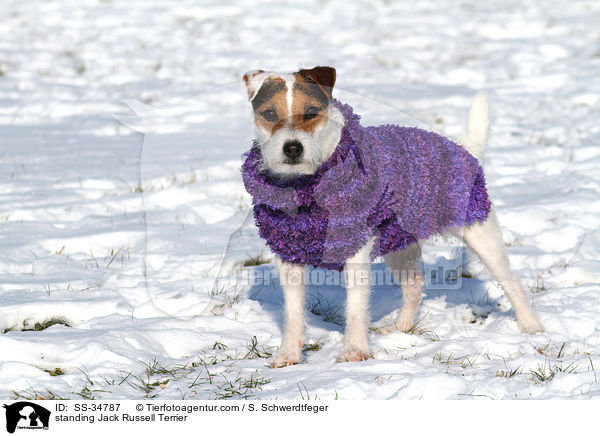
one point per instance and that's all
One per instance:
(400, 184)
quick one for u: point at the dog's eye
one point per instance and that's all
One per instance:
(269, 115)
(311, 113)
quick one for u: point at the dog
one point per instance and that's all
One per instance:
(330, 193)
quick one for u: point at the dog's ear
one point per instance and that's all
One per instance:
(253, 81)
(324, 77)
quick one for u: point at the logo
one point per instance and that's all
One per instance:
(26, 415)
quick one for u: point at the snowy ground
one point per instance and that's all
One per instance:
(112, 239)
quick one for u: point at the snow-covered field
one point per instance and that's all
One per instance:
(112, 229)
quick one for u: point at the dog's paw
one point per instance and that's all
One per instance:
(402, 324)
(286, 358)
(530, 325)
(394, 327)
(386, 329)
(354, 356)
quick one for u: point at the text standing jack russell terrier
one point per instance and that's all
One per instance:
(331, 193)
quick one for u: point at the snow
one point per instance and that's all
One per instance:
(122, 130)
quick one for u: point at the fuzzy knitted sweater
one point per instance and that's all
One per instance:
(399, 184)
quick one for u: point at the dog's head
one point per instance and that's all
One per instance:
(297, 127)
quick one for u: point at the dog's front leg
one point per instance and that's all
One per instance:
(357, 272)
(292, 279)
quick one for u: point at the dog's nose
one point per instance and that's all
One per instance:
(293, 149)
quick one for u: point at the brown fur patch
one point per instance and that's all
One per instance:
(271, 97)
(324, 77)
(308, 96)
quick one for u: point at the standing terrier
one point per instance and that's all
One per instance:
(333, 194)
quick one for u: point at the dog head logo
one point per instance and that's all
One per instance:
(26, 415)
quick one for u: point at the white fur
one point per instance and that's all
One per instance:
(404, 265)
(476, 134)
(292, 280)
(357, 273)
(289, 83)
(483, 238)
(255, 80)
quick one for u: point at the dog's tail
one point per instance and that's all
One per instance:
(475, 137)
